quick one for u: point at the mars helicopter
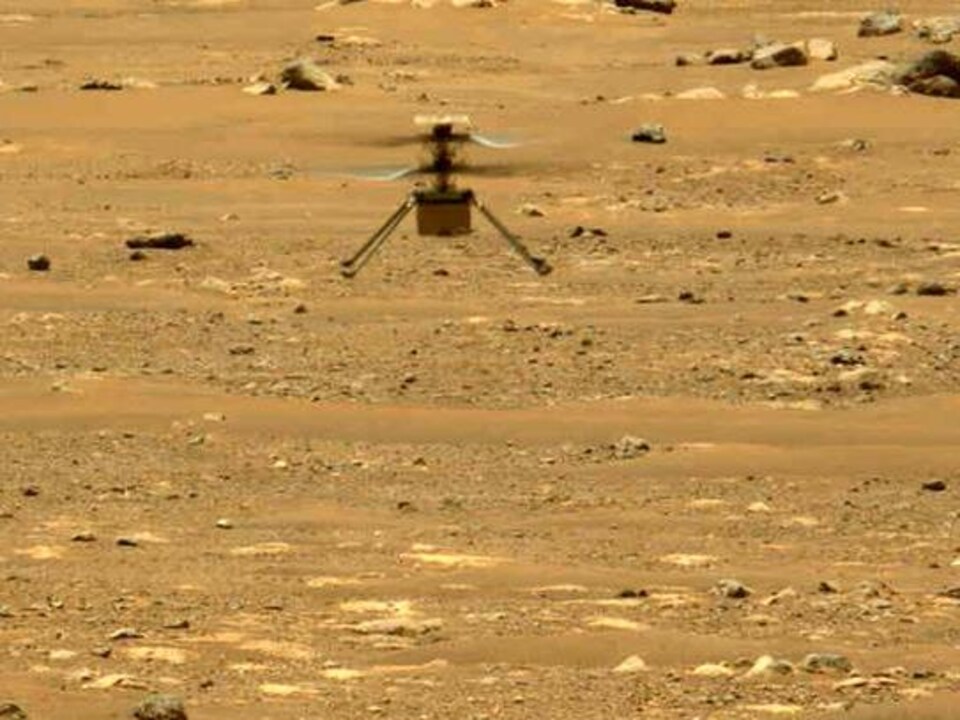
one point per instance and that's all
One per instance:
(443, 209)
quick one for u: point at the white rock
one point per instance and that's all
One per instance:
(822, 49)
(712, 670)
(703, 93)
(632, 664)
(874, 72)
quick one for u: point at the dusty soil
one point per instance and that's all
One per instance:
(231, 475)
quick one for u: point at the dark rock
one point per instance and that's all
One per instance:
(101, 85)
(728, 56)
(305, 74)
(161, 241)
(665, 7)
(138, 256)
(38, 263)
(688, 296)
(160, 707)
(650, 133)
(932, 289)
(928, 65)
(9, 711)
(952, 592)
(936, 86)
(935, 486)
(827, 588)
(778, 55)
(885, 22)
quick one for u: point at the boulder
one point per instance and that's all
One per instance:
(936, 73)
(937, 30)
(936, 86)
(778, 55)
(728, 56)
(874, 72)
(885, 22)
(822, 49)
(305, 74)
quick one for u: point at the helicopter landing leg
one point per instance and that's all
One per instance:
(540, 265)
(353, 265)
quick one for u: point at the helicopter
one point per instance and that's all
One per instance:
(443, 209)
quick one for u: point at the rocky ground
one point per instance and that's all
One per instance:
(707, 468)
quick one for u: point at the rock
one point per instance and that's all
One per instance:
(753, 92)
(936, 86)
(305, 74)
(38, 263)
(932, 289)
(126, 634)
(224, 524)
(885, 22)
(712, 670)
(930, 64)
(160, 241)
(687, 59)
(952, 593)
(820, 662)
(632, 664)
(650, 133)
(822, 49)
(826, 587)
(261, 88)
(629, 447)
(733, 589)
(934, 486)
(934, 73)
(530, 210)
(831, 197)
(875, 72)
(9, 711)
(666, 7)
(778, 55)
(84, 537)
(937, 29)
(704, 93)
(769, 665)
(404, 627)
(160, 707)
(101, 85)
(728, 56)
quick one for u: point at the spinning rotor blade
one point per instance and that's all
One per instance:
(376, 173)
(495, 142)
